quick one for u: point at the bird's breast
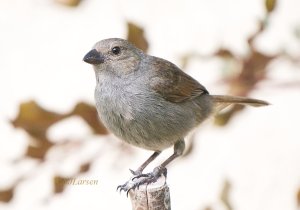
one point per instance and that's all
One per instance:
(141, 117)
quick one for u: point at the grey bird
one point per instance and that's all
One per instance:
(149, 102)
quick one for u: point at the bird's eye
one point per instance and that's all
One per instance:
(116, 50)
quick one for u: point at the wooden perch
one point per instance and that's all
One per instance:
(155, 196)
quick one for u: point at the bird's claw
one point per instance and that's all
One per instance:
(126, 187)
(142, 179)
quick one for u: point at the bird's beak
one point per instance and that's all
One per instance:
(93, 57)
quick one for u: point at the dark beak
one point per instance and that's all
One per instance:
(93, 57)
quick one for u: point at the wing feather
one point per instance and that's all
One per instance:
(172, 83)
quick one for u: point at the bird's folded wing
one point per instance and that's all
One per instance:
(173, 84)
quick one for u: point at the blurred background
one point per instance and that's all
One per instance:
(243, 159)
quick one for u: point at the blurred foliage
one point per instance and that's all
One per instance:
(208, 208)
(35, 120)
(224, 196)
(298, 198)
(270, 5)
(189, 146)
(136, 36)
(59, 186)
(7, 194)
(244, 73)
(69, 3)
(247, 71)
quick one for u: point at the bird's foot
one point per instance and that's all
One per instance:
(142, 179)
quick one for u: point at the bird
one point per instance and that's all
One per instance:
(149, 102)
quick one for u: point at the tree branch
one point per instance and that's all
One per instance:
(152, 196)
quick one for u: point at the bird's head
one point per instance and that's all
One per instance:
(116, 55)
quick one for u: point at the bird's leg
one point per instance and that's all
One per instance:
(156, 173)
(139, 171)
(178, 151)
(161, 169)
(129, 184)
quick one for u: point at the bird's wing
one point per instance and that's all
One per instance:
(172, 83)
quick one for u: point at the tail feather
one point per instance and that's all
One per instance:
(239, 100)
(222, 101)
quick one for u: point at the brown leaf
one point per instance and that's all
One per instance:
(224, 53)
(298, 197)
(70, 3)
(35, 121)
(270, 5)
(136, 36)
(223, 117)
(84, 167)
(38, 149)
(61, 182)
(6, 195)
(90, 115)
(253, 70)
(225, 194)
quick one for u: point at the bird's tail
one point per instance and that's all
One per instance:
(222, 101)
